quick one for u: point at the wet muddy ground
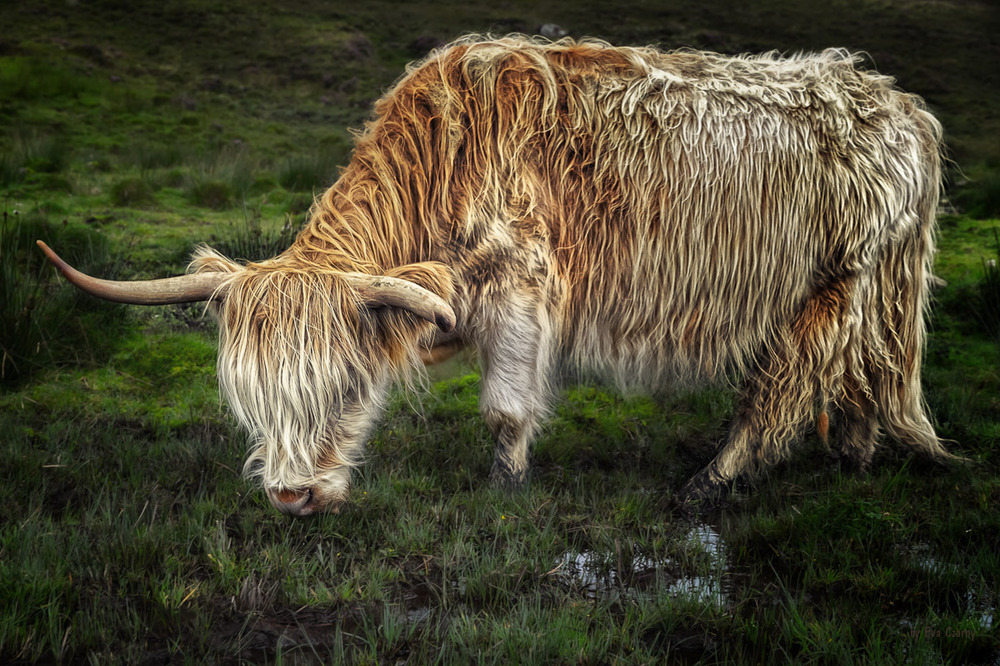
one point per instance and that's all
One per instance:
(695, 571)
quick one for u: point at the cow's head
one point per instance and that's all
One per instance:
(306, 357)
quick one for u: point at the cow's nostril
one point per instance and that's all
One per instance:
(292, 502)
(287, 496)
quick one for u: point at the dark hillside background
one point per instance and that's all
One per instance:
(316, 65)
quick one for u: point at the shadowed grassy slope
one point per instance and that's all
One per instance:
(313, 64)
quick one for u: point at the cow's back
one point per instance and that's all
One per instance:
(692, 201)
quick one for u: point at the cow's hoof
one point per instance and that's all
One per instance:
(705, 489)
(505, 478)
(855, 462)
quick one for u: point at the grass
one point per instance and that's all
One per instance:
(253, 239)
(31, 153)
(38, 324)
(981, 197)
(989, 292)
(317, 170)
(127, 534)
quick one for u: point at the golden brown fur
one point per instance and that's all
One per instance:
(653, 217)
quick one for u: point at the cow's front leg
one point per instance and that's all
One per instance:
(512, 436)
(515, 363)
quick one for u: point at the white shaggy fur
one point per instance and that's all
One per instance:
(652, 217)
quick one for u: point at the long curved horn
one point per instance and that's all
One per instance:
(180, 289)
(396, 292)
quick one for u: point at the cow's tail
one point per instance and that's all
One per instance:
(897, 324)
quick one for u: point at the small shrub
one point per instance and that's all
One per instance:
(315, 169)
(132, 193)
(213, 194)
(251, 240)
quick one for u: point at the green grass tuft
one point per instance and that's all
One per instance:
(212, 194)
(37, 79)
(29, 153)
(316, 169)
(132, 192)
(42, 319)
(252, 239)
(981, 198)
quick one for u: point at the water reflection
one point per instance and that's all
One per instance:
(980, 602)
(707, 587)
(694, 569)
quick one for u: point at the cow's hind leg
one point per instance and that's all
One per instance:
(772, 413)
(857, 430)
(805, 363)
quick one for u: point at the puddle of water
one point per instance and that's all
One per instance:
(598, 575)
(696, 574)
(706, 589)
(980, 604)
(920, 554)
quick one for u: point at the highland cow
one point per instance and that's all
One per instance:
(656, 219)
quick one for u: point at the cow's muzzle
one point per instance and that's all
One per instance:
(293, 502)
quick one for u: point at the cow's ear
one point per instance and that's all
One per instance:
(431, 275)
(207, 260)
(425, 289)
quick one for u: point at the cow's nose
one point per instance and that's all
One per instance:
(292, 502)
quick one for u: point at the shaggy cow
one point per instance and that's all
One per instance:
(654, 218)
